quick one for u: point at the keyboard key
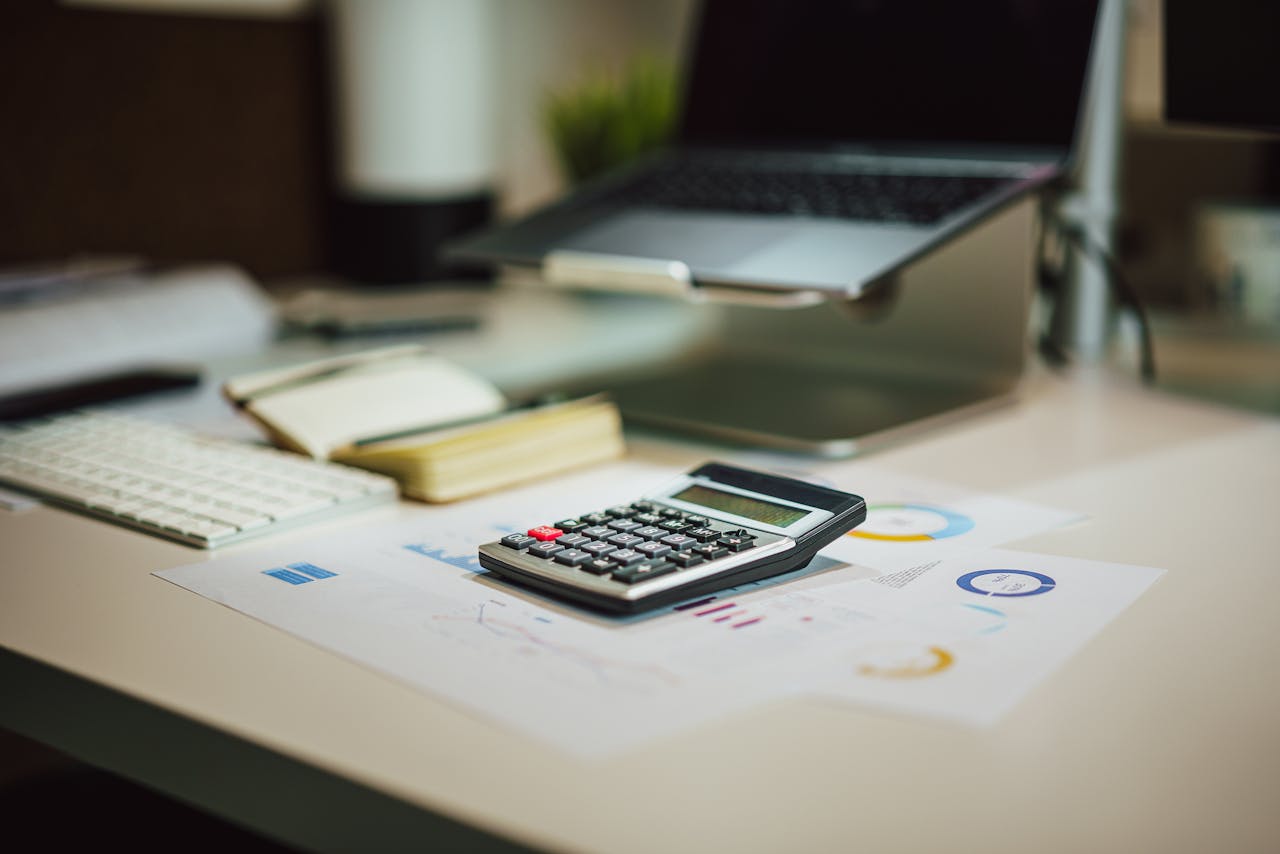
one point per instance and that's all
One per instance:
(598, 532)
(545, 533)
(678, 542)
(702, 535)
(673, 526)
(685, 559)
(650, 532)
(519, 542)
(625, 541)
(572, 541)
(572, 557)
(652, 549)
(571, 526)
(625, 557)
(644, 571)
(624, 525)
(545, 549)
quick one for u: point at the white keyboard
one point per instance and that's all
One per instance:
(175, 483)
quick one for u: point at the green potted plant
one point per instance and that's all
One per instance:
(610, 119)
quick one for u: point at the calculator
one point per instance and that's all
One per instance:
(717, 526)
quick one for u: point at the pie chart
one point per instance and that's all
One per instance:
(905, 661)
(1006, 582)
(907, 523)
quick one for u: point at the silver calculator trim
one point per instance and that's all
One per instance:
(548, 569)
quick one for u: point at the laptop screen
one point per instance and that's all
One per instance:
(824, 72)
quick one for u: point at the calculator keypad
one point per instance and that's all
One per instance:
(631, 543)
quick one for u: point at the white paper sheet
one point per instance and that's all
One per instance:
(912, 521)
(965, 639)
(409, 600)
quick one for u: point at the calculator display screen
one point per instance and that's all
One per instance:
(740, 505)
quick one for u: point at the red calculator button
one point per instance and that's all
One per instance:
(545, 533)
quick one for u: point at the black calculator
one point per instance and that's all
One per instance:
(717, 526)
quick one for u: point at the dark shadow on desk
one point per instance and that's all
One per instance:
(253, 787)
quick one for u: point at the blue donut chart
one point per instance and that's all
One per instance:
(1045, 583)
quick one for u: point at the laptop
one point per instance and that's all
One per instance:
(824, 145)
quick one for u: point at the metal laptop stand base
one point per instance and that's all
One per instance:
(949, 336)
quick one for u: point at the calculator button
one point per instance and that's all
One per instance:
(679, 542)
(625, 557)
(624, 525)
(702, 535)
(572, 557)
(545, 550)
(652, 549)
(697, 520)
(625, 541)
(571, 526)
(545, 532)
(685, 559)
(674, 526)
(737, 544)
(643, 506)
(572, 541)
(599, 566)
(711, 551)
(594, 518)
(650, 532)
(670, 513)
(646, 518)
(517, 541)
(643, 571)
(742, 533)
(597, 532)
(598, 549)
(620, 512)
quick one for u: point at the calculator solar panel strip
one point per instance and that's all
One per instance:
(819, 515)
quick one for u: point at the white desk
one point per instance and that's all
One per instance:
(1161, 735)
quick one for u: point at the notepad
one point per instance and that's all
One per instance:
(443, 432)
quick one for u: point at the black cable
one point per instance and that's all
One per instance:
(1125, 293)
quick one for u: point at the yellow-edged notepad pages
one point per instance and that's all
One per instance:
(441, 431)
(453, 463)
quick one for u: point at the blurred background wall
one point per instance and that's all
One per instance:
(157, 127)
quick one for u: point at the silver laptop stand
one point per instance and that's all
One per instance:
(947, 336)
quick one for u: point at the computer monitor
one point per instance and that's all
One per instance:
(1222, 63)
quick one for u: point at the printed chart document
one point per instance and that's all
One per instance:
(409, 599)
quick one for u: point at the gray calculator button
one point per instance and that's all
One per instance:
(598, 549)
(545, 550)
(644, 571)
(650, 532)
(517, 541)
(679, 542)
(625, 541)
(625, 557)
(652, 549)
(572, 557)
(572, 541)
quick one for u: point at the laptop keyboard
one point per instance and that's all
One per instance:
(879, 197)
